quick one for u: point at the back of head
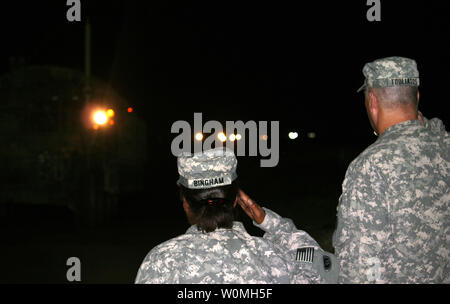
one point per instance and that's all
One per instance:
(397, 98)
(208, 184)
(213, 207)
(394, 81)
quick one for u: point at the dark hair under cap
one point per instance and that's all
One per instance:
(212, 207)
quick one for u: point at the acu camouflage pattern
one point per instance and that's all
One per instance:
(390, 71)
(394, 209)
(232, 256)
(210, 164)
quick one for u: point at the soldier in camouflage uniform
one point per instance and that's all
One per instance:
(227, 253)
(394, 209)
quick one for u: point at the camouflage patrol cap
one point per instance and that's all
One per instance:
(208, 169)
(389, 72)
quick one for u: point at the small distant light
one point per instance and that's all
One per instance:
(95, 127)
(238, 136)
(100, 117)
(264, 137)
(111, 122)
(110, 113)
(311, 135)
(222, 137)
(293, 135)
(232, 137)
(198, 136)
(130, 110)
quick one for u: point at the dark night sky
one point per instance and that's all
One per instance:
(300, 64)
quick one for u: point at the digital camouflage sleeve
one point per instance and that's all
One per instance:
(233, 256)
(394, 209)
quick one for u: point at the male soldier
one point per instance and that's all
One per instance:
(217, 249)
(394, 208)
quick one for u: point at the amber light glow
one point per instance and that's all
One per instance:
(100, 117)
(110, 113)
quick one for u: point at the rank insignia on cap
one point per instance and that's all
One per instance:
(305, 254)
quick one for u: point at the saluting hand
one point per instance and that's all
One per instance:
(420, 117)
(250, 207)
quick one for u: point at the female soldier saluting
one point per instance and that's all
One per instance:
(216, 249)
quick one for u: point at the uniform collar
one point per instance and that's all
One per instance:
(400, 127)
(237, 226)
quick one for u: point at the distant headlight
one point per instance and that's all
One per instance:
(222, 137)
(199, 136)
(293, 135)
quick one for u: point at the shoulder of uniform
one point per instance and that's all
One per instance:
(373, 159)
(170, 246)
(367, 157)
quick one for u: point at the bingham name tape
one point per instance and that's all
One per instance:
(209, 182)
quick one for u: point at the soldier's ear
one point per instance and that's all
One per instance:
(182, 199)
(372, 98)
(185, 205)
(373, 103)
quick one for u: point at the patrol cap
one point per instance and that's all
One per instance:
(389, 72)
(208, 169)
